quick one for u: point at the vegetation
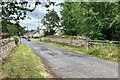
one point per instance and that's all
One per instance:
(12, 28)
(16, 39)
(51, 20)
(110, 53)
(13, 12)
(23, 63)
(95, 20)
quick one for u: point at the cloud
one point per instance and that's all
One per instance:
(38, 13)
(31, 23)
(57, 1)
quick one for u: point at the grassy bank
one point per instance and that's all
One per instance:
(110, 53)
(23, 63)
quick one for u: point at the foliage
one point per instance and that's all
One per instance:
(15, 10)
(106, 52)
(51, 32)
(16, 39)
(12, 28)
(50, 21)
(35, 37)
(95, 20)
(23, 63)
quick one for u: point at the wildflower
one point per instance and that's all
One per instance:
(110, 42)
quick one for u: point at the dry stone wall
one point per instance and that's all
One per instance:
(6, 46)
(74, 42)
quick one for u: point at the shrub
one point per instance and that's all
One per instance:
(52, 32)
(16, 39)
(106, 52)
(36, 37)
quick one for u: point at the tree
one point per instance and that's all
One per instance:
(68, 19)
(95, 20)
(15, 11)
(13, 29)
(51, 20)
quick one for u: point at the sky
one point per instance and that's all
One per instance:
(38, 14)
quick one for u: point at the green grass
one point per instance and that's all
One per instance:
(23, 63)
(110, 53)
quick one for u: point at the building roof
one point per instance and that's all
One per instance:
(33, 32)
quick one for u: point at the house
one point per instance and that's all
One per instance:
(36, 33)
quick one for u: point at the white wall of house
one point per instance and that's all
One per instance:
(38, 34)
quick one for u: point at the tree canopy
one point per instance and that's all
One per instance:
(13, 11)
(51, 20)
(95, 20)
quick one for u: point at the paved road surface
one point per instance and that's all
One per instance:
(67, 64)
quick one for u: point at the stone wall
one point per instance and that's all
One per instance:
(74, 42)
(6, 46)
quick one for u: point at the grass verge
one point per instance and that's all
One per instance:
(23, 63)
(110, 53)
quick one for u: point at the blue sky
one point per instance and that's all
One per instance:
(39, 12)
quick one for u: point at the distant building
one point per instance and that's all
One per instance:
(36, 33)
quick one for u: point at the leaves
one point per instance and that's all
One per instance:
(51, 20)
(12, 9)
(95, 20)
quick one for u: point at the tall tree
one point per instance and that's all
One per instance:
(51, 20)
(15, 11)
(95, 20)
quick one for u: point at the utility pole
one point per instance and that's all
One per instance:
(38, 26)
(27, 28)
(27, 33)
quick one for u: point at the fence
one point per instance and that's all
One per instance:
(80, 42)
(102, 42)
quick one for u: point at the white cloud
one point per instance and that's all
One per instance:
(31, 23)
(40, 11)
(57, 1)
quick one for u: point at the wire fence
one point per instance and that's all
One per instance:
(103, 42)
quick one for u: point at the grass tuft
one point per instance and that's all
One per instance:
(23, 63)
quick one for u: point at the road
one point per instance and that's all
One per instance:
(66, 64)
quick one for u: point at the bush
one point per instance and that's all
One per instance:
(16, 39)
(110, 52)
(35, 37)
(52, 32)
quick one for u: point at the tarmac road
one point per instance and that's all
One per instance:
(66, 64)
